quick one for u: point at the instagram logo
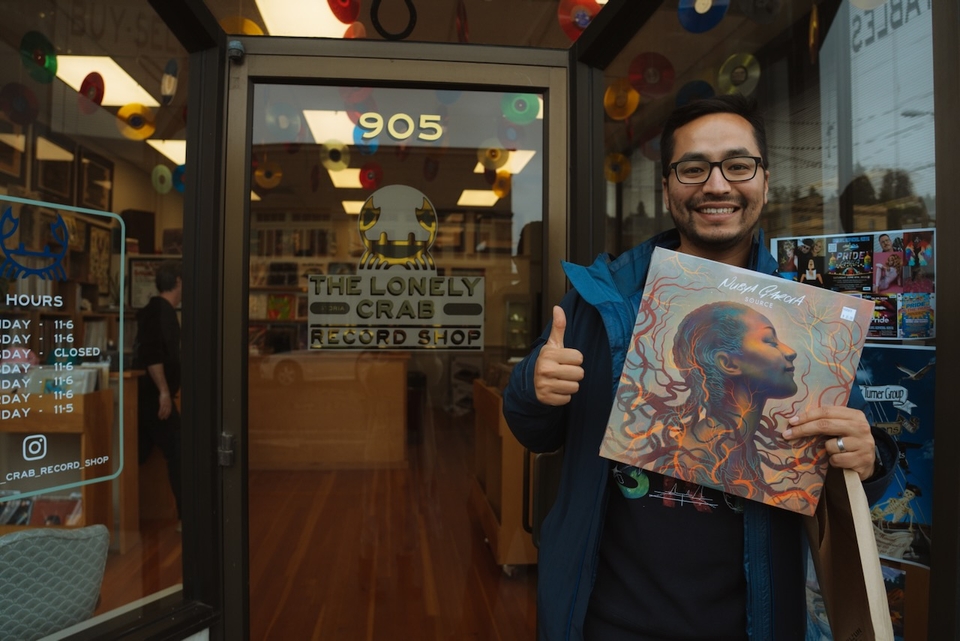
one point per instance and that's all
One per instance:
(34, 447)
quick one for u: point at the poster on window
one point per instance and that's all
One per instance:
(894, 269)
(898, 384)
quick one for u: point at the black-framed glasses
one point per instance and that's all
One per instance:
(737, 169)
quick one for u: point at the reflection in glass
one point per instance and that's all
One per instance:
(65, 145)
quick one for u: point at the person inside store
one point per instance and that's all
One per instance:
(157, 350)
(620, 559)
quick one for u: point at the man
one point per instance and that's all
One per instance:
(626, 554)
(886, 245)
(157, 350)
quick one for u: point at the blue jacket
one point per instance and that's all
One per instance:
(601, 309)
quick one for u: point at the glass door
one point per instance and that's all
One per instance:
(387, 223)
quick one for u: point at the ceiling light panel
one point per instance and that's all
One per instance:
(119, 88)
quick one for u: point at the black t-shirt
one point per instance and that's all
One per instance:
(158, 341)
(671, 562)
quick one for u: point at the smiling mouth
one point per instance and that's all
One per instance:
(716, 210)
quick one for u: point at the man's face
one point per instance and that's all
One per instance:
(765, 363)
(717, 216)
(885, 243)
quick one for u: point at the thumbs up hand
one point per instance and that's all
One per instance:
(558, 372)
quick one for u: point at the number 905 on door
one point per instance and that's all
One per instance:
(401, 126)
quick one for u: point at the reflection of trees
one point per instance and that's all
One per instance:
(862, 191)
(858, 193)
(896, 184)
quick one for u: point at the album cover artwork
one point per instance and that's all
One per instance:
(720, 358)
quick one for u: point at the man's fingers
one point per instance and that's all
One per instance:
(559, 326)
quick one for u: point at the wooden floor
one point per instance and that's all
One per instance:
(362, 554)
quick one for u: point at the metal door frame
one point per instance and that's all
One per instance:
(310, 61)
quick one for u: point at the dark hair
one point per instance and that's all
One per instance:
(707, 330)
(167, 274)
(724, 104)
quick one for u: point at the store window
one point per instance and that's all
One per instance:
(846, 89)
(92, 174)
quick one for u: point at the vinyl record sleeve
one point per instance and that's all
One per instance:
(720, 359)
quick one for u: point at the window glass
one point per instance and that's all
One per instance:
(394, 271)
(846, 89)
(519, 23)
(92, 150)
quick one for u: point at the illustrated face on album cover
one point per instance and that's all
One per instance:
(720, 358)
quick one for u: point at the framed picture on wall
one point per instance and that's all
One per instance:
(98, 257)
(142, 273)
(13, 152)
(54, 159)
(94, 181)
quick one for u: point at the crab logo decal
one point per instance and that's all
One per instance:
(20, 262)
(398, 226)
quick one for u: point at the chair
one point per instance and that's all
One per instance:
(49, 579)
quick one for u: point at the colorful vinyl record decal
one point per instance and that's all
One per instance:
(240, 26)
(694, 90)
(90, 95)
(268, 175)
(616, 168)
(698, 16)
(134, 121)
(19, 103)
(162, 179)
(491, 155)
(575, 15)
(354, 95)
(168, 82)
(652, 74)
(283, 122)
(813, 35)
(334, 156)
(520, 108)
(371, 174)
(620, 99)
(502, 184)
(367, 146)
(762, 11)
(740, 73)
(346, 11)
(509, 134)
(38, 56)
(356, 31)
(179, 178)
